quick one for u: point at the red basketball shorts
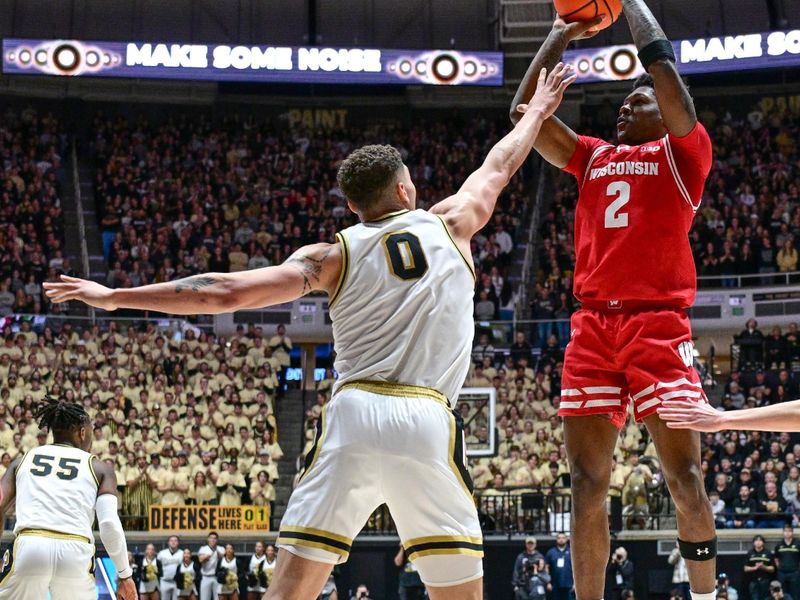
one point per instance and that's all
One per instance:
(615, 358)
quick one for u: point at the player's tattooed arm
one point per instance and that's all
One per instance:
(318, 266)
(194, 283)
(309, 264)
(546, 58)
(675, 102)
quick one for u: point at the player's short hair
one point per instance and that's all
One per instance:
(368, 175)
(644, 80)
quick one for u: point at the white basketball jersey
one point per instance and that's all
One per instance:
(169, 562)
(56, 490)
(402, 312)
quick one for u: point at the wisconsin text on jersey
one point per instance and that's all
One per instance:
(627, 167)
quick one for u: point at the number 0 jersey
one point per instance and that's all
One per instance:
(402, 312)
(56, 490)
(632, 221)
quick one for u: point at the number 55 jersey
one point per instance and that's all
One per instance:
(56, 491)
(633, 216)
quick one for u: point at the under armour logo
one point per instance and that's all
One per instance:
(614, 304)
(701, 551)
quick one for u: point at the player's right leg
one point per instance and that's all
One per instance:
(73, 576)
(26, 572)
(590, 443)
(337, 493)
(594, 406)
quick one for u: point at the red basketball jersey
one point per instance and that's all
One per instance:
(633, 217)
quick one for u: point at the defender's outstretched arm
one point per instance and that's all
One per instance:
(655, 51)
(555, 142)
(700, 416)
(311, 268)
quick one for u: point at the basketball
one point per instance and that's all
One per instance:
(586, 10)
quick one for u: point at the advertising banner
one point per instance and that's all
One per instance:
(219, 62)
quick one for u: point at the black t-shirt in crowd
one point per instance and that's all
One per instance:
(789, 556)
(763, 556)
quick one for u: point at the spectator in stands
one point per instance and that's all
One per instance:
(619, 574)
(772, 506)
(361, 593)
(751, 341)
(759, 568)
(743, 510)
(261, 490)
(776, 591)
(543, 310)
(485, 309)
(787, 257)
(724, 587)
(520, 348)
(787, 562)
(523, 565)
(559, 563)
(534, 583)
(410, 585)
(718, 508)
(680, 575)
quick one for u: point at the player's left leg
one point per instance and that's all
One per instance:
(659, 358)
(679, 453)
(297, 578)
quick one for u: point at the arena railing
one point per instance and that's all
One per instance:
(76, 185)
(531, 246)
(747, 280)
(56, 321)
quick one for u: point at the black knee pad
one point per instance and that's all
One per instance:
(699, 551)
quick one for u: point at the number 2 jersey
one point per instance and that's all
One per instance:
(633, 217)
(56, 490)
(402, 311)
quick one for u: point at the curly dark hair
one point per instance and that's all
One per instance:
(368, 175)
(644, 80)
(59, 414)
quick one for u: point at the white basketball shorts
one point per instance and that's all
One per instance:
(396, 444)
(42, 561)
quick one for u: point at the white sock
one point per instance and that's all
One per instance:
(708, 596)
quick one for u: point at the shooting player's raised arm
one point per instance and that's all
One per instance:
(658, 59)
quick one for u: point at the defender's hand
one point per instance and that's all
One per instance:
(83, 290)
(126, 590)
(579, 30)
(550, 90)
(699, 416)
